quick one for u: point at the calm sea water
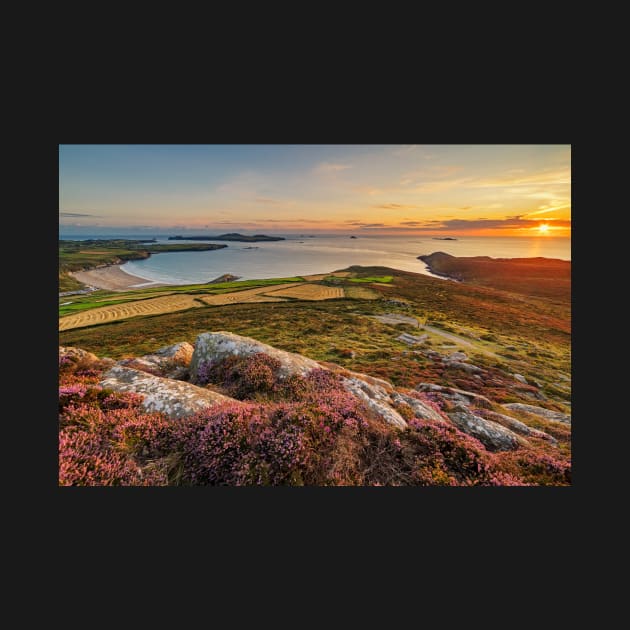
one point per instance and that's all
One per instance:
(301, 256)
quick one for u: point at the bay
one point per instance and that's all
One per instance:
(299, 256)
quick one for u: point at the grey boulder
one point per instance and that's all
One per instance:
(174, 398)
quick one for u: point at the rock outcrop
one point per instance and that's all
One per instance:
(492, 435)
(170, 361)
(541, 412)
(372, 391)
(420, 409)
(77, 354)
(458, 396)
(515, 425)
(412, 339)
(154, 377)
(215, 346)
(174, 398)
(376, 399)
(467, 367)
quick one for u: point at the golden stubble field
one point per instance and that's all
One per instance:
(105, 314)
(172, 303)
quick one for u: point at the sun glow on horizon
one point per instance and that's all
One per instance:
(423, 190)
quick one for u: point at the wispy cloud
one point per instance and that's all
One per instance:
(462, 225)
(531, 214)
(331, 167)
(362, 224)
(396, 206)
(75, 215)
(493, 224)
(542, 178)
(439, 179)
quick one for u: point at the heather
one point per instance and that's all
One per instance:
(297, 430)
(309, 430)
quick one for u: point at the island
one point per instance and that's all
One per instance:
(353, 237)
(444, 238)
(233, 236)
(226, 277)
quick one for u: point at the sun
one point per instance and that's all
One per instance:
(543, 228)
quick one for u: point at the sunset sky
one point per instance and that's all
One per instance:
(498, 190)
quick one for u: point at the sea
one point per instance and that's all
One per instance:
(305, 255)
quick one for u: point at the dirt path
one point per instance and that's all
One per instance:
(459, 340)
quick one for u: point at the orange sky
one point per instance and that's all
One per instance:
(484, 190)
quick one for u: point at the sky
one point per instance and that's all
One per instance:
(476, 190)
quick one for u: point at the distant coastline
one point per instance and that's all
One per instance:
(239, 238)
(96, 263)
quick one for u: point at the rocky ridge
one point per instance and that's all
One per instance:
(168, 381)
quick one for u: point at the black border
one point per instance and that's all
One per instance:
(500, 520)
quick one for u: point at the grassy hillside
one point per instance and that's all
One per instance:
(503, 332)
(526, 335)
(542, 277)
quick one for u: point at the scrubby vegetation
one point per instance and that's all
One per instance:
(284, 431)
(543, 277)
(297, 431)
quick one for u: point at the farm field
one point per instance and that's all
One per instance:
(87, 313)
(105, 314)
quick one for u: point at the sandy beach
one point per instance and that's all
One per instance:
(112, 278)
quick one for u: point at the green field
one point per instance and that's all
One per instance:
(381, 279)
(109, 298)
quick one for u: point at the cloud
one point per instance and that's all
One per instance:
(544, 178)
(496, 224)
(531, 214)
(77, 214)
(462, 225)
(261, 221)
(331, 167)
(362, 224)
(266, 200)
(554, 206)
(396, 206)
(515, 181)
